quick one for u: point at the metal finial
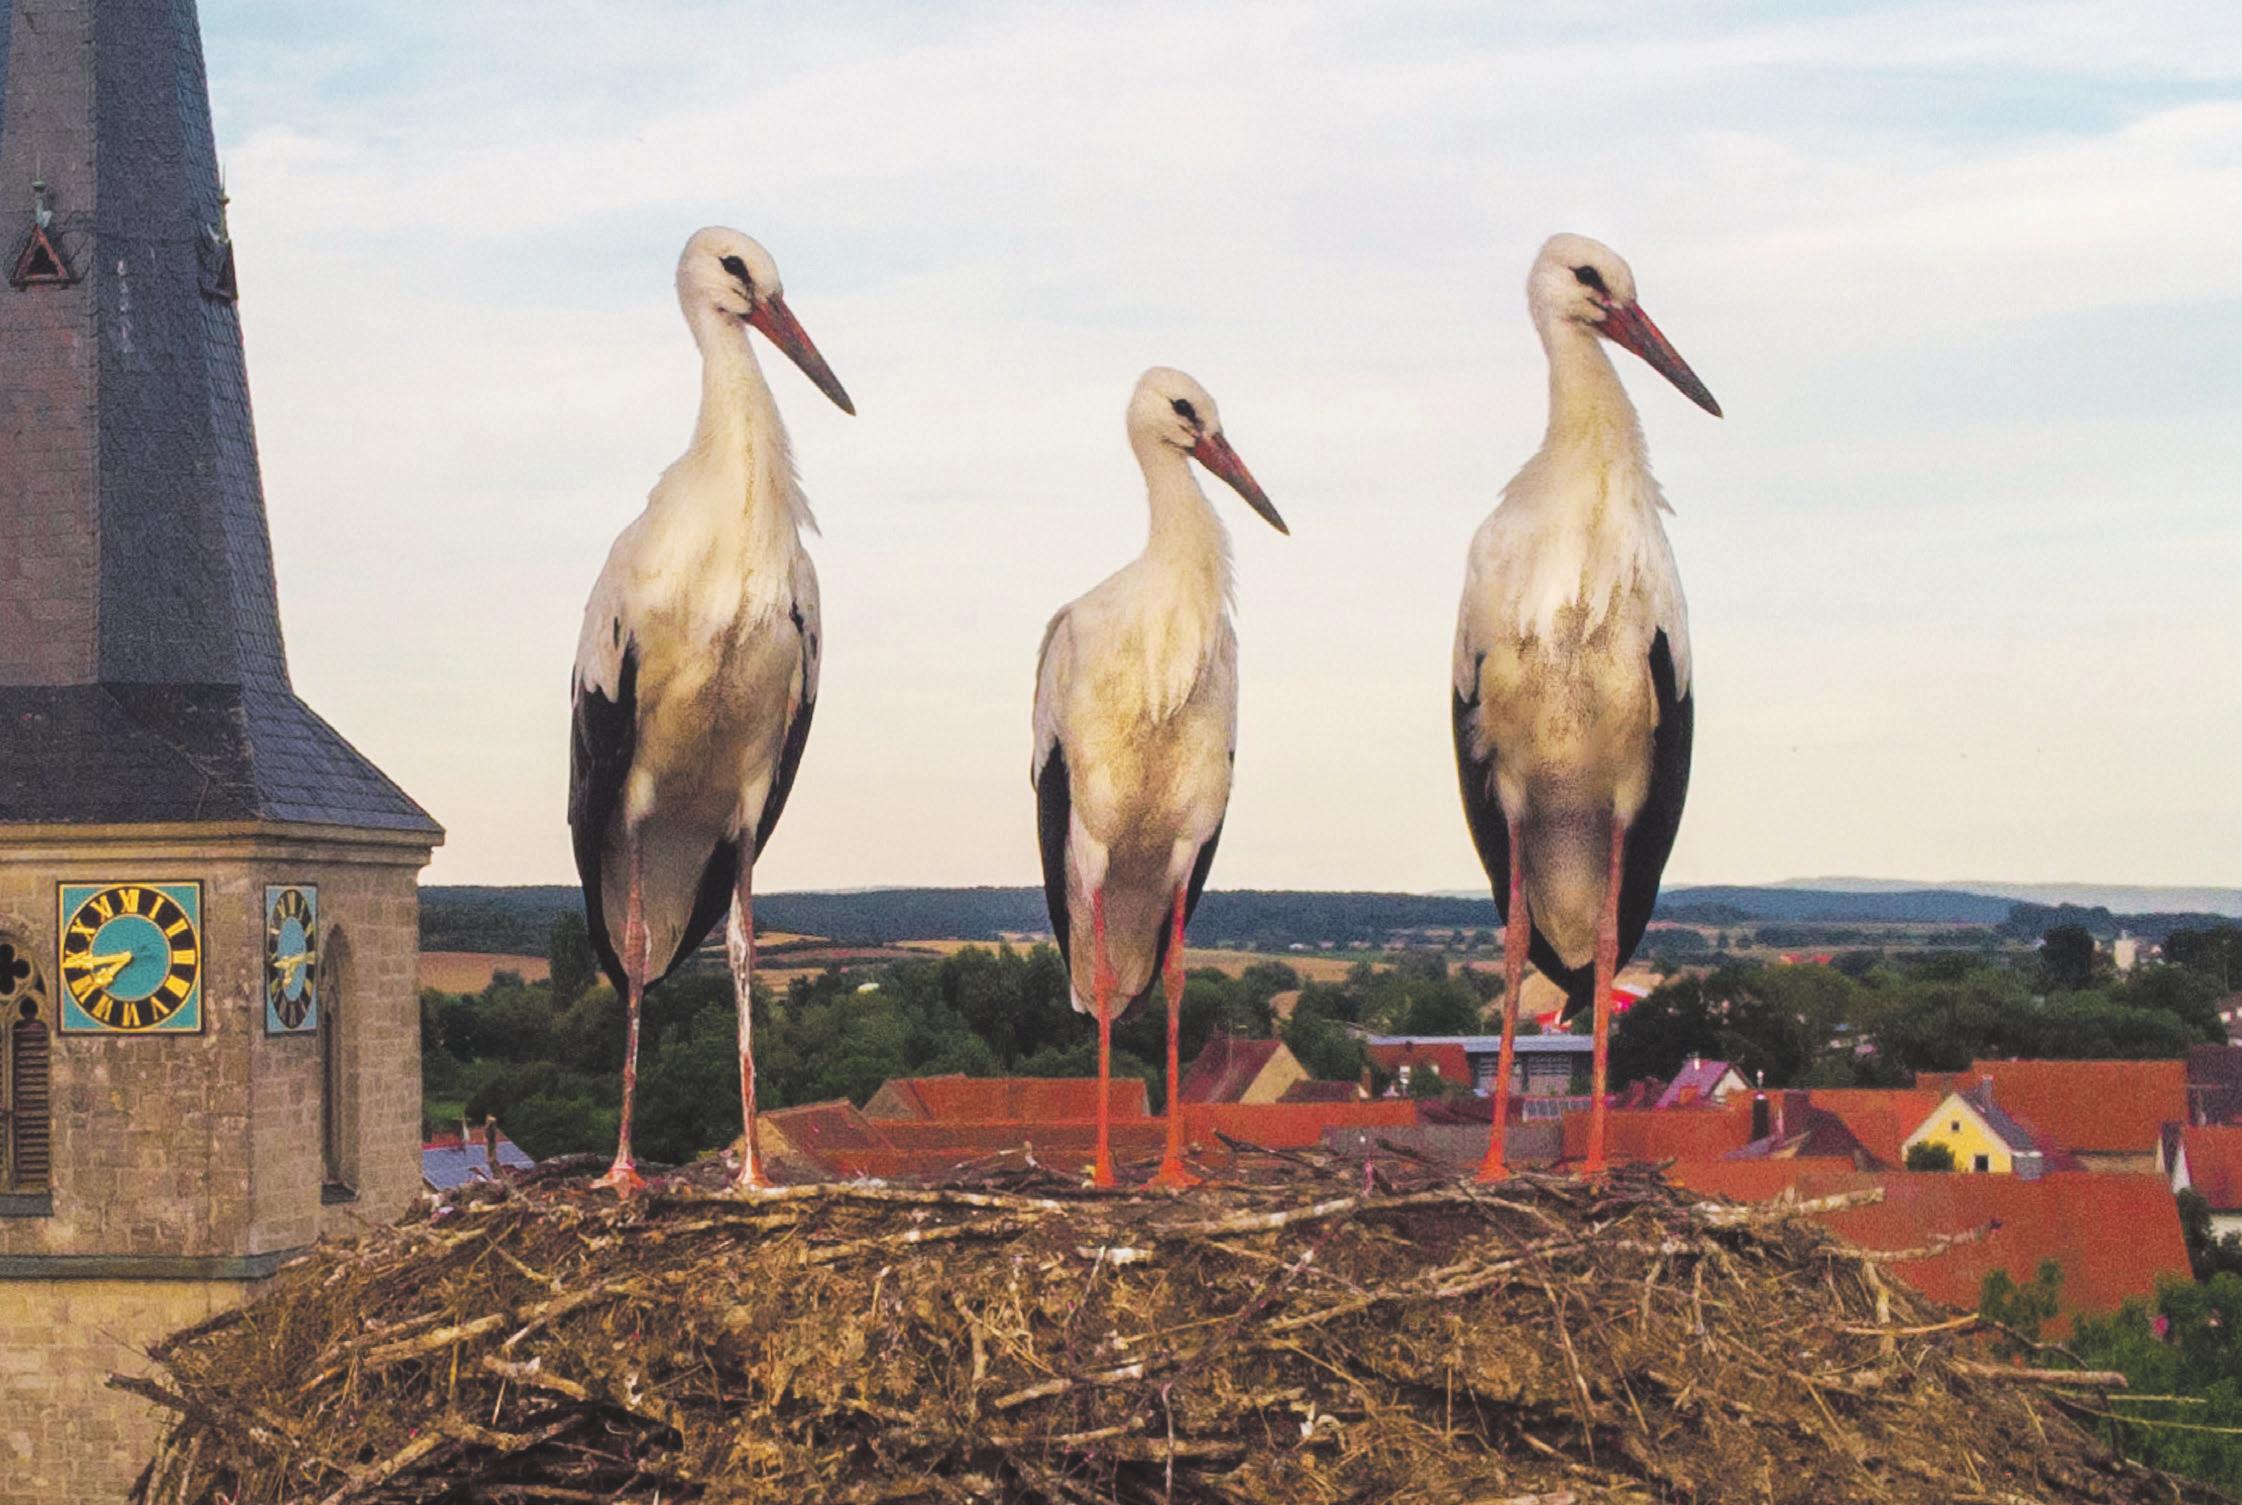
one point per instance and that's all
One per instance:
(41, 213)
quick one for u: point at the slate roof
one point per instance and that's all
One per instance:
(142, 671)
(446, 1164)
(2019, 1139)
(1694, 1082)
(2214, 1075)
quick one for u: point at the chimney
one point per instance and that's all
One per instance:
(490, 1143)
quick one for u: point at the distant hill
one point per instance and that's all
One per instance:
(468, 918)
(2116, 897)
(1723, 903)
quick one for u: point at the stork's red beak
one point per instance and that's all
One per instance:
(782, 329)
(1626, 324)
(1214, 452)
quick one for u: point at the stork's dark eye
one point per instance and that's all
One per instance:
(1590, 277)
(1185, 411)
(738, 268)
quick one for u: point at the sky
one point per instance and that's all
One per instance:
(1964, 559)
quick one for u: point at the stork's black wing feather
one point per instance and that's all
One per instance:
(1054, 811)
(1650, 841)
(1475, 775)
(602, 738)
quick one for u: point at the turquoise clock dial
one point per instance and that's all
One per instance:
(291, 959)
(131, 957)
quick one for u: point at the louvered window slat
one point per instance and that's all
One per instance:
(29, 1124)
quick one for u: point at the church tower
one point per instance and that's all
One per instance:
(209, 1028)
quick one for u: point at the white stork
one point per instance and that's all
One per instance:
(1573, 712)
(1136, 728)
(697, 670)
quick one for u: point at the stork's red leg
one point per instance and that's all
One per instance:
(623, 1175)
(739, 950)
(1516, 935)
(1607, 962)
(1172, 1172)
(1101, 1169)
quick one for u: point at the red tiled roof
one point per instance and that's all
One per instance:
(1448, 1059)
(821, 1126)
(1226, 1068)
(1292, 1126)
(1654, 1134)
(1880, 1118)
(1315, 1091)
(1016, 1099)
(2214, 1157)
(2095, 1106)
(2113, 1235)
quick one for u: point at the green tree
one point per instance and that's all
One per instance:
(2067, 958)
(1931, 1155)
(2022, 1309)
(569, 953)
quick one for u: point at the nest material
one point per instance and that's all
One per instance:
(1316, 1330)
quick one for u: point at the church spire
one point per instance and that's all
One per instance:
(138, 613)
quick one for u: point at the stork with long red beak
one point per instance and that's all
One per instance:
(696, 671)
(1573, 709)
(1136, 728)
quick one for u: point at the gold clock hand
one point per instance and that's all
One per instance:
(295, 963)
(111, 965)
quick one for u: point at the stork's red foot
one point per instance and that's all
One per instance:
(749, 1176)
(1101, 1172)
(1173, 1174)
(622, 1178)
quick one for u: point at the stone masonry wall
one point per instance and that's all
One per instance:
(66, 1439)
(195, 1145)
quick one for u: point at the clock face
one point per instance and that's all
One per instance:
(131, 958)
(291, 959)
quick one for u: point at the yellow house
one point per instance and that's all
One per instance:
(1982, 1139)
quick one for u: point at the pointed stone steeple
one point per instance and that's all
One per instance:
(142, 672)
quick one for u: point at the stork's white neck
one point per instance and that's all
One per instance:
(1186, 540)
(1589, 411)
(738, 435)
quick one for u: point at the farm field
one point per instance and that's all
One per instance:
(471, 971)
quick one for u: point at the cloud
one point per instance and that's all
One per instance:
(1959, 276)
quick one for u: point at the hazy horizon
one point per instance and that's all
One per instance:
(1959, 559)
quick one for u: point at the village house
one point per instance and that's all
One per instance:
(1980, 1136)
(2106, 1115)
(1235, 1070)
(2206, 1160)
(1701, 1081)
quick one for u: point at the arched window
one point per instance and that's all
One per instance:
(26, 1157)
(336, 1169)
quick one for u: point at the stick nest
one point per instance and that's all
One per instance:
(1314, 1329)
